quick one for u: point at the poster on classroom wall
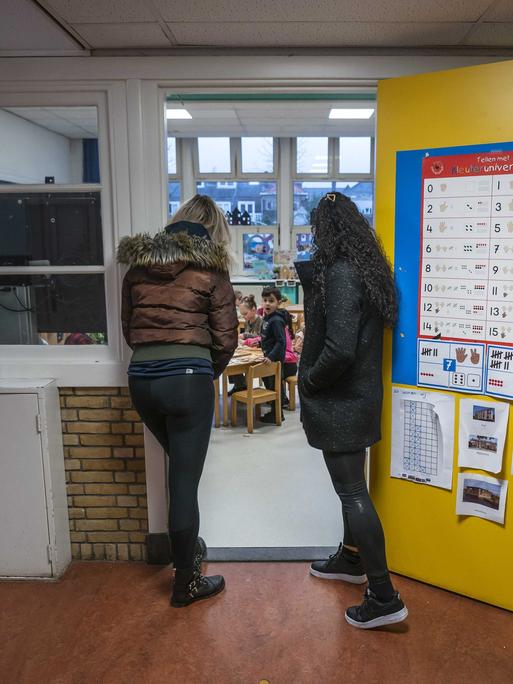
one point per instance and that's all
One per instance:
(482, 434)
(459, 285)
(422, 437)
(481, 496)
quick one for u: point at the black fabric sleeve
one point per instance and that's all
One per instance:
(277, 332)
(343, 315)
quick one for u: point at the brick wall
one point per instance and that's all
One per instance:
(104, 462)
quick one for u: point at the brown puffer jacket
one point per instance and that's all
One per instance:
(177, 290)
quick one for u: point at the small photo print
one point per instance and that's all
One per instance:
(486, 413)
(483, 493)
(482, 443)
(481, 496)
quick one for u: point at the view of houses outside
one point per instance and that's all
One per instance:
(258, 198)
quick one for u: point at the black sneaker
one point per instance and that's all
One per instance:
(373, 613)
(199, 554)
(340, 566)
(190, 586)
(270, 419)
(236, 388)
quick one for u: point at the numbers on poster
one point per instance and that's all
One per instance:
(466, 264)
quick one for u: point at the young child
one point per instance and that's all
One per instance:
(273, 339)
(250, 336)
(248, 310)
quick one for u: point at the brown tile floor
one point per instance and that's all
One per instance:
(106, 623)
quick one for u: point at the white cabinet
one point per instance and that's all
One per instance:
(34, 526)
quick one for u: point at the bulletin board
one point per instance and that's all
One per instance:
(442, 117)
(454, 269)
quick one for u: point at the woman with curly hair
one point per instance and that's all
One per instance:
(349, 297)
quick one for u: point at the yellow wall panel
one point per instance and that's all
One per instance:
(426, 540)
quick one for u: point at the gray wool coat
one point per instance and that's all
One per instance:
(339, 378)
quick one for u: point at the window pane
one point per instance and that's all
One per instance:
(53, 309)
(59, 229)
(214, 155)
(257, 155)
(174, 196)
(308, 193)
(245, 203)
(312, 155)
(49, 145)
(171, 155)
(258, 251)
(304, 242)
(355, 155)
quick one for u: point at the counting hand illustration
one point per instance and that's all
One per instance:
(461, 355)
(510, 226)
(474, 356)
(444, 206)
(442, 226)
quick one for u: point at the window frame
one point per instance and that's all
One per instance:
(333, 162)
(60, 360)
(235, 173)
(333, 174)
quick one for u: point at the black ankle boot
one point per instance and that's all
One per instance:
(199, 554)
(190, 586)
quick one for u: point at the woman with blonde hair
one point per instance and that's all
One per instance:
(178, 316)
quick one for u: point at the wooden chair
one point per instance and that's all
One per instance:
(292, 384)
(253, 397)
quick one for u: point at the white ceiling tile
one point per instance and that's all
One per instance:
(123, 35)
(24, 26)
(63, 120)
(320, 34)
(492, 34)
(247, 11)
(101, 11)
(502, 11)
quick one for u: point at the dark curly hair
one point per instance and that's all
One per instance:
(340, 231)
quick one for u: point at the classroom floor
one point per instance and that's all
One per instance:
(111, 623)
(267, 489)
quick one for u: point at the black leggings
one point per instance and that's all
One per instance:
(178, 410)
(362, 526)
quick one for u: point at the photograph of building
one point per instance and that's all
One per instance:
(482, 442)
(483, 493)
(483, 413)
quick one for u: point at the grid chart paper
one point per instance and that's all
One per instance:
(421, 447)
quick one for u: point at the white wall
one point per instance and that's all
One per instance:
(30, 152)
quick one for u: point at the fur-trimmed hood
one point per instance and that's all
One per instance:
(166, 248)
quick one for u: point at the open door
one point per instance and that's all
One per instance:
(445, 115)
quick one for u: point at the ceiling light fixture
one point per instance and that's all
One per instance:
(178, 114)
(351, 113)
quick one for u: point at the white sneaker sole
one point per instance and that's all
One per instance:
(380, 621)
(352, 579)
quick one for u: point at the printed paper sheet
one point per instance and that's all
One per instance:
(422, 437)
(482, 434)
(482, 496)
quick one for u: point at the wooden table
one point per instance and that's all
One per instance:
(243, 358)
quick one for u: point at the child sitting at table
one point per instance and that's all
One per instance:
(248, 310)
(250, 336)
(273, 340)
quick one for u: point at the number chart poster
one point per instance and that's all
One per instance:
(454, 269)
